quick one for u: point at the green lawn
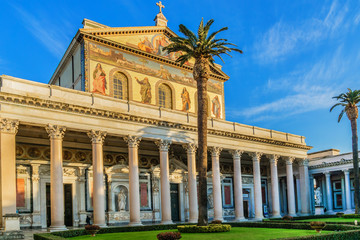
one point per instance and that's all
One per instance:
(235, 233)
(335, 219)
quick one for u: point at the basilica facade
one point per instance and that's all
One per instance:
(113, 136)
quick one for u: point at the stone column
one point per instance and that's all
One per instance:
(215, 154)
(8, 130)
(192, 187)
(328, 194)
(238, 190)
(290, 186)
(97, 140)
(56, 134)
(304, 186)
(347, 191)
(134, 195)
(256, 157)
(36, 195)
(311, 194)
(275, 186)
(164, 146)
(81, 196)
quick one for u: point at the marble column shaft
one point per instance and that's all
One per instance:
(36, 195)
(56, 134)
(238, 189)
(8, 131)
(328, 193)
(347, 190)
(192, 186)
(304, 186)
(215, 154)
(134, 195)
(164, 181)
(275, 186)
(97, 140)
(256, 157)
(290, 186)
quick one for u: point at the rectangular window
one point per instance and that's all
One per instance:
(227, 193)
(145, 192)
(162, 98)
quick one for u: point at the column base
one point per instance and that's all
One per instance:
(292, 214)
(329, 212)
(193, 221)
(218, 219)
(57, 228)
(348, 211)
(258, 219)
(102, 225)
(167, 222)
(135, 224)
(276, 216)
(240, 219)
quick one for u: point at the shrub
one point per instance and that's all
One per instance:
(351, 216)
(216, 222)
(204, 229)
(92, 227)
(287, 218)
(340, 214)
(169, 236)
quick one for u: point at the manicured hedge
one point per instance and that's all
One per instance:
(282, 221)
(303, 217)
(81, 232)
(211, 228)
(351, 216)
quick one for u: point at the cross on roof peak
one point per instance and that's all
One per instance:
(160, 6)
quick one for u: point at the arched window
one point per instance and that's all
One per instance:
(165, 96)
(120, 83)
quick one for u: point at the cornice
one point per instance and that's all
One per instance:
(88, 111)
(331, 164)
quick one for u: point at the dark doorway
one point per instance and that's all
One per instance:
(68, 218)
(48, 205)
(246, 209)
(174, 192)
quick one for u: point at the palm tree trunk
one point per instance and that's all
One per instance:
(201, 75)
(356, 163)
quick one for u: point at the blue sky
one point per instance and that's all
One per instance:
(297, 54)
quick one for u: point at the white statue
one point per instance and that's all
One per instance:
(122, 200)
(318, 197)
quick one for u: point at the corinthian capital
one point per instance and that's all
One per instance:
(304, 162)
(97, 136)
(132, 141)
(274, 158)
(289, 160)
(163, 145)
(190, 147)
(215, 151)
(236, 153)
(9, 125)
(256, 156)
(55, 131)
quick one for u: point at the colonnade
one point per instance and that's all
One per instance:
(56, 134)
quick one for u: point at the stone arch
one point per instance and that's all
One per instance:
(129, 82)
(167, 83)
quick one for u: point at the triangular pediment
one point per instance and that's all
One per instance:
(148, 40)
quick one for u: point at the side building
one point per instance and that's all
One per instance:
(113, 137)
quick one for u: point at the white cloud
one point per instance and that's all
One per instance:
(50, 36)
(283, 39)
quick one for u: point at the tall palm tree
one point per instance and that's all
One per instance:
(201, 47)
(349, 101)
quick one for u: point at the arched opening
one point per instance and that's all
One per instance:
(120, 86)
(165, 96)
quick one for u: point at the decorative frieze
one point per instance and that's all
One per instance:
(9, 125)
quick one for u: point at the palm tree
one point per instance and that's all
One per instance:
(202, 48)
(349, 101)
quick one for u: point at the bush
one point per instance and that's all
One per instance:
(340, 214)
(303, 217)
(169, 236)
(216, 222)
(317, 223)
(92, 227)
(351, 216)
(287, 218)
(204, 229)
